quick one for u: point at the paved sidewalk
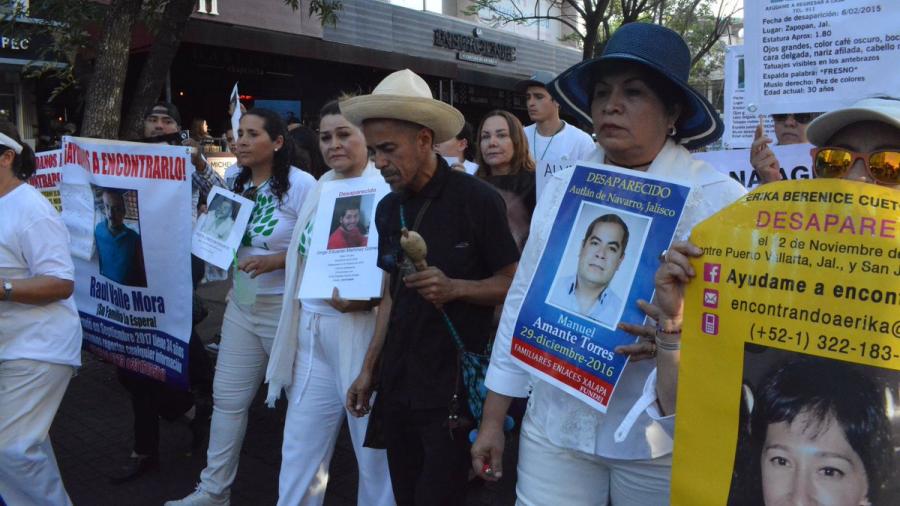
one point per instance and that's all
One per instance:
(92, 435)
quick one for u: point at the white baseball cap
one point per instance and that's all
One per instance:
(881, 109)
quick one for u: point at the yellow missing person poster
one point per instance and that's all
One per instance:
(789, 389)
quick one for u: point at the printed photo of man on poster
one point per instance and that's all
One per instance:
(222, 214)
(598, 266)
(119, 245)
(587, 291)
(348, 225)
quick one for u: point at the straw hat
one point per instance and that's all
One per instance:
(405, 96)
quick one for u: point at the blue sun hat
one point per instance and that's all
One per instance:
(658, 49)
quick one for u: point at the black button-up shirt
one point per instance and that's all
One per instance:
(468, 237)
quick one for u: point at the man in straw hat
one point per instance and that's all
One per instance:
(471, 260)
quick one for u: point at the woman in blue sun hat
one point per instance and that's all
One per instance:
(646, 118)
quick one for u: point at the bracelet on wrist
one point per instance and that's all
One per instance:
(663, 331)
(667, 346)
(668, 340)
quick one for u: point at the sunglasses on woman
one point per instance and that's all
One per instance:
(883, 166)
(802, 117)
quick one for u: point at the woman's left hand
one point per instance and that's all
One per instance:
(672, 277)
(261, 264)
(348, 306)
(674, 273)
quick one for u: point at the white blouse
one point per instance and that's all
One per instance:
(632, 428)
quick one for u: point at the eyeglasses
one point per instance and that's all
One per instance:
(883, 166)
(800, 117)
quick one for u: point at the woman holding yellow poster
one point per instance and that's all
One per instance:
(803, 294)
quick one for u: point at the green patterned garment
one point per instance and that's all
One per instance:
(305, 239)
(262, 221)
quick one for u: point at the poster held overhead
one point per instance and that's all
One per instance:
(806, 56)
(598, 261)
(134, 294)
(344, 248)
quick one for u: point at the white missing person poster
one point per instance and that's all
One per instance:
(219, 231)
(344, 249)
(795, 163)
(740, 120)
(814, 56)
(134, 294)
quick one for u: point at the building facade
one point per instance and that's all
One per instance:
(286, 60)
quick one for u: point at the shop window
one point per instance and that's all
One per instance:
(8, 102)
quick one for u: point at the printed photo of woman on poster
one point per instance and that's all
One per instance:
(819, 432)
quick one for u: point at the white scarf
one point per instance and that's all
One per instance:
(355, 327)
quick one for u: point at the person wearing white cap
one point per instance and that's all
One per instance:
(40, 331)
(857, 143)
(551, 140)
(419, 413)
(860, 142)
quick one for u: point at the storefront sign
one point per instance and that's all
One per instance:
(20, 47)
(474, 58)
(472, 45)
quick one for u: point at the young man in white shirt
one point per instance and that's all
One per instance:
(554, 144)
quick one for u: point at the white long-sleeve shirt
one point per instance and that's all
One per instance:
(632, 428)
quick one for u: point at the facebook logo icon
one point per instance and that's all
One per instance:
(712, 272)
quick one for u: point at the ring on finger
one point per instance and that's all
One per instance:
(664, 256)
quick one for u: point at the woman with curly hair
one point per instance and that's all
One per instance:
(264, 152)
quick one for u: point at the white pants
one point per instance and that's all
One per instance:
(316, 400)
(247, 334)
(30, 393)
(549, 474)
